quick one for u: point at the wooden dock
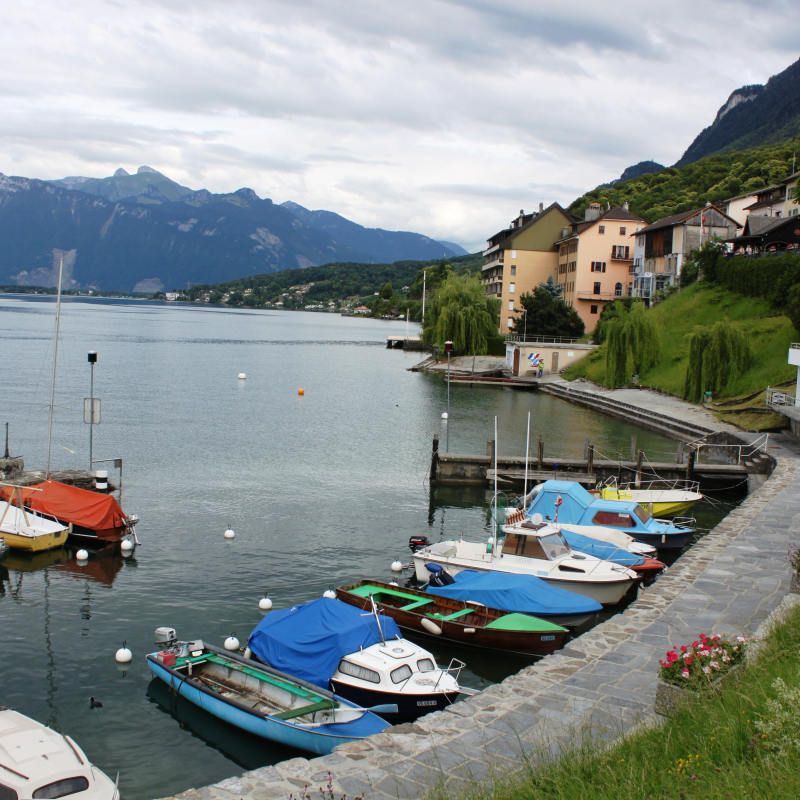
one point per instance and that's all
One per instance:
(405, 343)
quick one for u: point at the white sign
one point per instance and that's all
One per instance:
(91, 411)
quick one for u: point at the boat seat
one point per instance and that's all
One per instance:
(452, 616)
(416, 604)
(292, 713)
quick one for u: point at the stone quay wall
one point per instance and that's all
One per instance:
(603, 683)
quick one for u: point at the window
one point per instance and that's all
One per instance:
(513, 254)
(400, 674)
(613, 519)
(642, 514)
(355, 671)
(510, 305)
(510, 322)
(525, 546)
(617, 290)
(592, 309)
(640, 241)
(7, 793)
(623, 231)
(620, 251)
(426, 665)
(790, 193)
(62, 788)
(601, 229)
(511, 288)
(554, 545)
(513, 269)
(598, 266)
(597, 287)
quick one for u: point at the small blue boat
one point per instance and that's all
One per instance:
(523, 594)
(263, 701)
(579, 509)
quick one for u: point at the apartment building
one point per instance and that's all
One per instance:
(522, 256)
(662, 247)
(595, 259)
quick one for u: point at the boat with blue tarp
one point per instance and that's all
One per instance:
(261, 700)
(575, 509)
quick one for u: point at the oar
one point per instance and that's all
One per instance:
(388, 708)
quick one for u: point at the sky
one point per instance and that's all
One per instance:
(444, 117)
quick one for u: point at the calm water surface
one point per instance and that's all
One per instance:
(321, 490)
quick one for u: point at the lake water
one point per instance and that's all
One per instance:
(321, 489)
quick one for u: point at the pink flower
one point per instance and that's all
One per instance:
(714, 664)
(726, 658)
(707, 670)
(685, 673)
(740, 639)
(705, 653)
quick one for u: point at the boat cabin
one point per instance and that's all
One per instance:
(536, 540)
(385, 667)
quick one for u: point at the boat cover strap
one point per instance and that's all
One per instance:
(416, 604)
(454, 615)
(322, 705)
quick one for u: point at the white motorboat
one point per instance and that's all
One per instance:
(532, 549)
(37, 762)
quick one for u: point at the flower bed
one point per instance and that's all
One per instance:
(691, 669)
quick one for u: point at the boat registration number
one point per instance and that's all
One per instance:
(426, 702)
(548, 638)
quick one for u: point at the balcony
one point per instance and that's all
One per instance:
(602, 296)
(495, 260)
(621, 253)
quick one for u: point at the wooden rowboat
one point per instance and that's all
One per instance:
(457, 621)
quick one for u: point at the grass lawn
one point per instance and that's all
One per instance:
(701, 304)
(711, 749)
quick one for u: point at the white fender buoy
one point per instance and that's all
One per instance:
(393, 583)
(265, 604)
(248, 653)
(242, 376)
(430, 626)
(123, 655)
(126, 546)
(444, 415)
(329, 593)
(397, 565)
(229, 534)
(82, 555)
(231, 643)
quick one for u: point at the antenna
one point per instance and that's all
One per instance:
(377, 618)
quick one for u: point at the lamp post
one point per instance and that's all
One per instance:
(448, 346)
(92, 359)
(525, 318)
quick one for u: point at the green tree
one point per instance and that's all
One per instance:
(717, 356)
(547, 315)
(551, 286)
(387, 291)
(460, 312)
(793, 305)
(610, 311)
(632, 345)
(703, 262)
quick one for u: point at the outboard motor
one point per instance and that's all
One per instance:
(417, 543)
(439, 576)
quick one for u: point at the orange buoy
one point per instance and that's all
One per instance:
(301, 391)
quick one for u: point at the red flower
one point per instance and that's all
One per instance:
(688, 661)
(684, 648)
(694, 644)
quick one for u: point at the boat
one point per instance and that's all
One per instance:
(259, 699)
(605, 543)
(23, 529)
(658, 498)
(573, 508)
(539, 550)
(361, 657)
(457, 621)
(93, 518)
(36, 761)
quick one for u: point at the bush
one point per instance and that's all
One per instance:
(610, 312)
(771, 277)
(717, 356)
(632, 346)
(547, 315)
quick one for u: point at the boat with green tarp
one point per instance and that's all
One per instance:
(464, 622)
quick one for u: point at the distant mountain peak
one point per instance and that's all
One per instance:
(122, 172)
(248, 193)
(145, 169)
(739, 96)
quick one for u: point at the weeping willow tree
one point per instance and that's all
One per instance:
(717, 356)
(631, 345)
(461, 313)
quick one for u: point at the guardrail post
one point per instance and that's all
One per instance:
(541, 452)
(633, 447)
(435, 458)
(590, 460)
(680, 452)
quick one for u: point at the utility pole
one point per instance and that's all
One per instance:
(448, 346)
(424, 277)
(92, 359)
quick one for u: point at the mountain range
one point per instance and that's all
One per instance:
(145, 232)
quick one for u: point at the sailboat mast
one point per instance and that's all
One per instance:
(55, 361)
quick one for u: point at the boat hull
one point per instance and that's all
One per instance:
(311, 740)
(527, 643)
(666, 541)
(35, 543)
(409, 706)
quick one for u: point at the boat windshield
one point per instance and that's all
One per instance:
(554, 546)
(642, 514)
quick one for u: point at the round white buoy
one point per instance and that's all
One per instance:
(126, 545)
(242, 376)
(329, 593)
(444, 415)
(265, 604)
(82, 555)
(393, 583)
(397, 565)
(231, 643)
(229, 534)
(431, 627)
(123, 655)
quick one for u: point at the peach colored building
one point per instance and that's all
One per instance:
(595, 260)
(522, 256)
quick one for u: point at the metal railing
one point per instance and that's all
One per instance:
(762, 443)
(780, 397)
(529, 338)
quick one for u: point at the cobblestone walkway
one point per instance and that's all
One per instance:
(603, 682)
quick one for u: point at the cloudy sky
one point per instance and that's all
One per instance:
(438, 116)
